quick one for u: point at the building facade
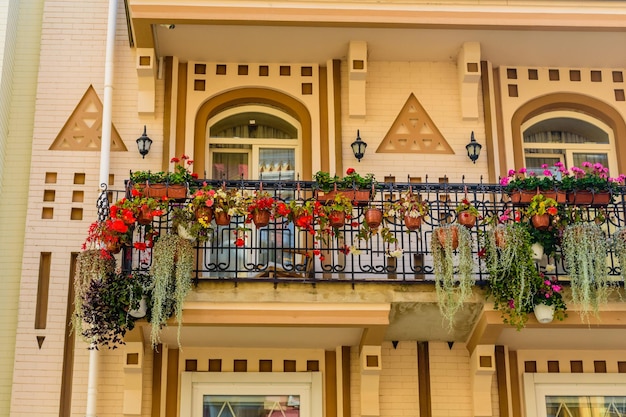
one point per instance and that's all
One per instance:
(211, 80)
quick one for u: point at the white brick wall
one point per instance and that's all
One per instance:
(450, 380)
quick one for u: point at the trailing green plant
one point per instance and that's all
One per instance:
(618, 245)
(584, 249)
(352, 180)
(513, 275)
(450, 295)
(187, 224)
(172, 268)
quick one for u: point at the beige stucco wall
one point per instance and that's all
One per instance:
(21, 21)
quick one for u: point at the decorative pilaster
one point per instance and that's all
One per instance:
(371, 365)
(357, 70)
(482, 370)
(133, 373)
(146, 80)
(468, 67)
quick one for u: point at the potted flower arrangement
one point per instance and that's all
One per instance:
(228, 203)
(541, 210)
(513, 275)
(584, 249)
(590, 184)
(548, 300)
(304, 214)
(450, 296)
(173, 184)
(260, 207)
(521, 185)
(357, 188)
(467, 213)
(337, 211)
(410, 207)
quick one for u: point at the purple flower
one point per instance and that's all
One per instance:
(511, 304)
(586, 164)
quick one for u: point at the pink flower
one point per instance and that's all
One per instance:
(586, 164)
(547, 172)
(544, 166)
(522, 170)
(511, 172)
(504, 181)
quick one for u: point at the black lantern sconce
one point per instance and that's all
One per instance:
(473, 149)
(358, 147)
(144, 143)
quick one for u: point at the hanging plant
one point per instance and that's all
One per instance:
(91, 265)
(618, 245)
(451, 296)
(513, 276)
(584, 249)
(172, 269)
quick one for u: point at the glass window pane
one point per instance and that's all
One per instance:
(229, 166)
(253, 125)
(277, 163)
(251, 406)
(585, 406)
(580, 157)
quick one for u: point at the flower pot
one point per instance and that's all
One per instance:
(541, 221)
(184, 233)
(357, 197)
(141, 311)
(537, 251)
(412, 223)
(544, 313)
(144, 216)
(173, 191)
(204, 213)
(261, 218)
(451, 233)
(113, 247)
(373, 217)
(558, 196)
(522, 196)
(467, 219)
(222, 218)
(584, 198)
(337, 219)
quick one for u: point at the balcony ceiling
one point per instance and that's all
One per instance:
(540, 33)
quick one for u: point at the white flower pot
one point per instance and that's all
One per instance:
(544, 313)
(142, 310)
(537, 251)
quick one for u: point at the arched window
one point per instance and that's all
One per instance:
(569, 137)
(253, 141)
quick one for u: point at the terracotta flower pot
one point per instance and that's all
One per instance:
(500, 238)
(144, 216)
(373, 217)
(467, 219)
(541, 221)
(588, 198)
(222, 218)
(442, 235)
(205, 213)
(113, 247)
(261, 218)
(337, 219)
(412, 223)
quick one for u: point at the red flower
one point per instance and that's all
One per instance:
(119, 226)
(240, 242)
(282, 209)
(316, 252)
(345, 249)
(194, 175)
(175, 160)
(113, 211)
(482, 252)
(350, 171)
(139, 246)
(128, 216)
(135, 192)
(157, 212)
(190, 162)
(552, 211)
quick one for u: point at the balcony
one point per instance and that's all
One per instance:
(282, 252)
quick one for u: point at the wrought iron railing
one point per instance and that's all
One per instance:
(282, 252)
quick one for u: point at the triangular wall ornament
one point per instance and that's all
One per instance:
(40, 340)
(83, 129)
(413, 131)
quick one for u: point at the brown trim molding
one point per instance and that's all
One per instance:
(324, 128)
(423, 378)
(516, 402)
(330, 382)
(488, 110)
(503, 397)
(171, 394)
(244, 96)
(181, 113)
(569, 101)
(345, 377)
(168, 62)
(157, 364)
(337, 117)
(67, 378)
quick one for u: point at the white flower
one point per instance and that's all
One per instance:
(396, 253)
(550, 268)
(355, 250)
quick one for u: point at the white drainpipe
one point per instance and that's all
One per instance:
(105, 156)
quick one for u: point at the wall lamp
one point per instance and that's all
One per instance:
(473, 149)
(144, 143)
(358, 147)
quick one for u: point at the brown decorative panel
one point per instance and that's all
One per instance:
(358, 64)
(511, 74)
(79, 178)
(215, 365)
(307, 89)
(533, 74)
(199, 69)
(78, 196)
(553, 75)
(472, 67)
(43, 287)
(484, 361)
(220, 69)
(49, 195)
(596, 76)
(530, 366)
(621, 367)
(240, 365)
(313, 366)
(576, 367)
(289, 366)
(132, 359)
(619, 95)
(76, 213)
(199, 85)
(51, 178)
(599, 367)
(618, 77)
(265, 365)
(264, 71)
(242, 70)
(512, 90)
(47, 213)
(553, 366)
(574, 75)
(306, 71)
(285, 70)
(191, 365)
